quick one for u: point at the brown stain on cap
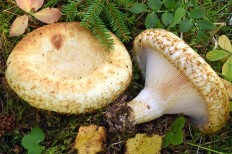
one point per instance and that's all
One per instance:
(57, 41)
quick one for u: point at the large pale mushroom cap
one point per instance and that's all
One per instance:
(165, 45)
(61, 67)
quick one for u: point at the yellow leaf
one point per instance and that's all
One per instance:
(143, 144)
(90, 139)
(224, 43)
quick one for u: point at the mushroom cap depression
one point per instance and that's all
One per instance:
(61, 67)
(201, 76)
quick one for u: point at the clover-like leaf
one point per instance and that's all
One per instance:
(185, 25)
(29, 5)
(151, 20)
(155, 5)
(178, 124)
(204, 24)
(48, 15)
(167, 138)
(224, 43)
(37, 134)
(166, 18)
(37, 149)
(19, 25)
(177, 138)
(196, 13)
(215, 55)
(138, 8)
(178, 15)
(31, 141)
(170, 4)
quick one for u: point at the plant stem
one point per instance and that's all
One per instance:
(211, 150)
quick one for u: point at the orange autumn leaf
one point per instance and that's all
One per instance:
(19, 26)
(48, 15)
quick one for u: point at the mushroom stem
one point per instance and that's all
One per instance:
(146, 106)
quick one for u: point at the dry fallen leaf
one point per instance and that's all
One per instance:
(29, 5)
(224, 43)
(48, 15)
(90, 139)
(143, 144)
(19, 25)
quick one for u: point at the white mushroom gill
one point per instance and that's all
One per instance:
(167, 91)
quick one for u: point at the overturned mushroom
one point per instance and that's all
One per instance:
(177, 80)
(61, 67)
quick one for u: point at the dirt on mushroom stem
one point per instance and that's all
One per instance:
(118, 119)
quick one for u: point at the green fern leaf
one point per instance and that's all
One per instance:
(114, 17)
(92, 14)
(100, 31)
(70, 11)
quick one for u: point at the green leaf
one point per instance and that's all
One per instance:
(155, 5)
(215, 55)
(151, 20)
(37, 149)
(185, 25)
(196, 13)
(167, 139)
(179, 14)
(227, 68)
(178, 124)
(177, 138)
(200, 34)
(170, 4)
(37, 134)
(138, 8)
(166, 18)
(27, 141)
(31, 141)
(204, 24)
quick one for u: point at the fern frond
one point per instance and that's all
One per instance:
(114, 17)
(92, 14)
(70, 11)
(100, 31)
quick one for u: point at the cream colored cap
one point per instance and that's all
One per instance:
(61, 67)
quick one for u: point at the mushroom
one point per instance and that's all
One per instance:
(177, 80)
(61, 67)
